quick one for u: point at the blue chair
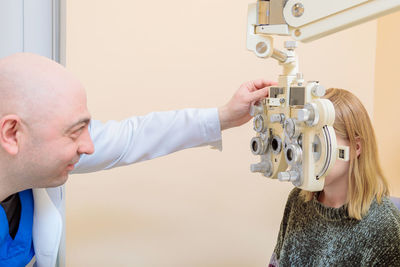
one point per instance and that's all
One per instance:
(396, 201)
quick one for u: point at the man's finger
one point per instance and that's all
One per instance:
(259, 94)
(259, 84)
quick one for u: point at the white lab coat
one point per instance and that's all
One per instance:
(118, 144)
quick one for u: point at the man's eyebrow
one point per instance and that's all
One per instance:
(81, 121)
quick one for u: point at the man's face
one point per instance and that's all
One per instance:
(45, 129)
(55, 145)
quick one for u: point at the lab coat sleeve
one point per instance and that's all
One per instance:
(145, 137)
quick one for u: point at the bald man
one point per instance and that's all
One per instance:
(46, 132)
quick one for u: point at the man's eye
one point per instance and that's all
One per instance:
(77, 133)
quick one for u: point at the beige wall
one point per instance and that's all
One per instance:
(197, 207)
(387, 96)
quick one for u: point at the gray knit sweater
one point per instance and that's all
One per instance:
(312, 234)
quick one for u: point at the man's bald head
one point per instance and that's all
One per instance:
(33, 86)
(43, 122)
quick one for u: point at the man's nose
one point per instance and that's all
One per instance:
(86, 144)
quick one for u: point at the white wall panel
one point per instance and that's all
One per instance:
(38, 27)
(11, 27)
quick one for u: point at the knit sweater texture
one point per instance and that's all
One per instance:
(312, 234)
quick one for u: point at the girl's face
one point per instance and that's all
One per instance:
(340, 170)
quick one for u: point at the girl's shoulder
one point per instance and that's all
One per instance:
(294, 194)
(385, 216)
(384, 209)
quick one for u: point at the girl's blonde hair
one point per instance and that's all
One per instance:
(366, 179)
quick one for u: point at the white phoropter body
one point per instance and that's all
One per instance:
(295, 137)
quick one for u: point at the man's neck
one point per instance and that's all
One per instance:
(334, 195)
(7, 188)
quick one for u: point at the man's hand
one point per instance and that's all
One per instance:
(237, 111)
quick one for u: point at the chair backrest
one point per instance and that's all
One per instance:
(396, 201)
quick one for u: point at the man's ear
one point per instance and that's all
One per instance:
(358, 146)
(10, 127)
